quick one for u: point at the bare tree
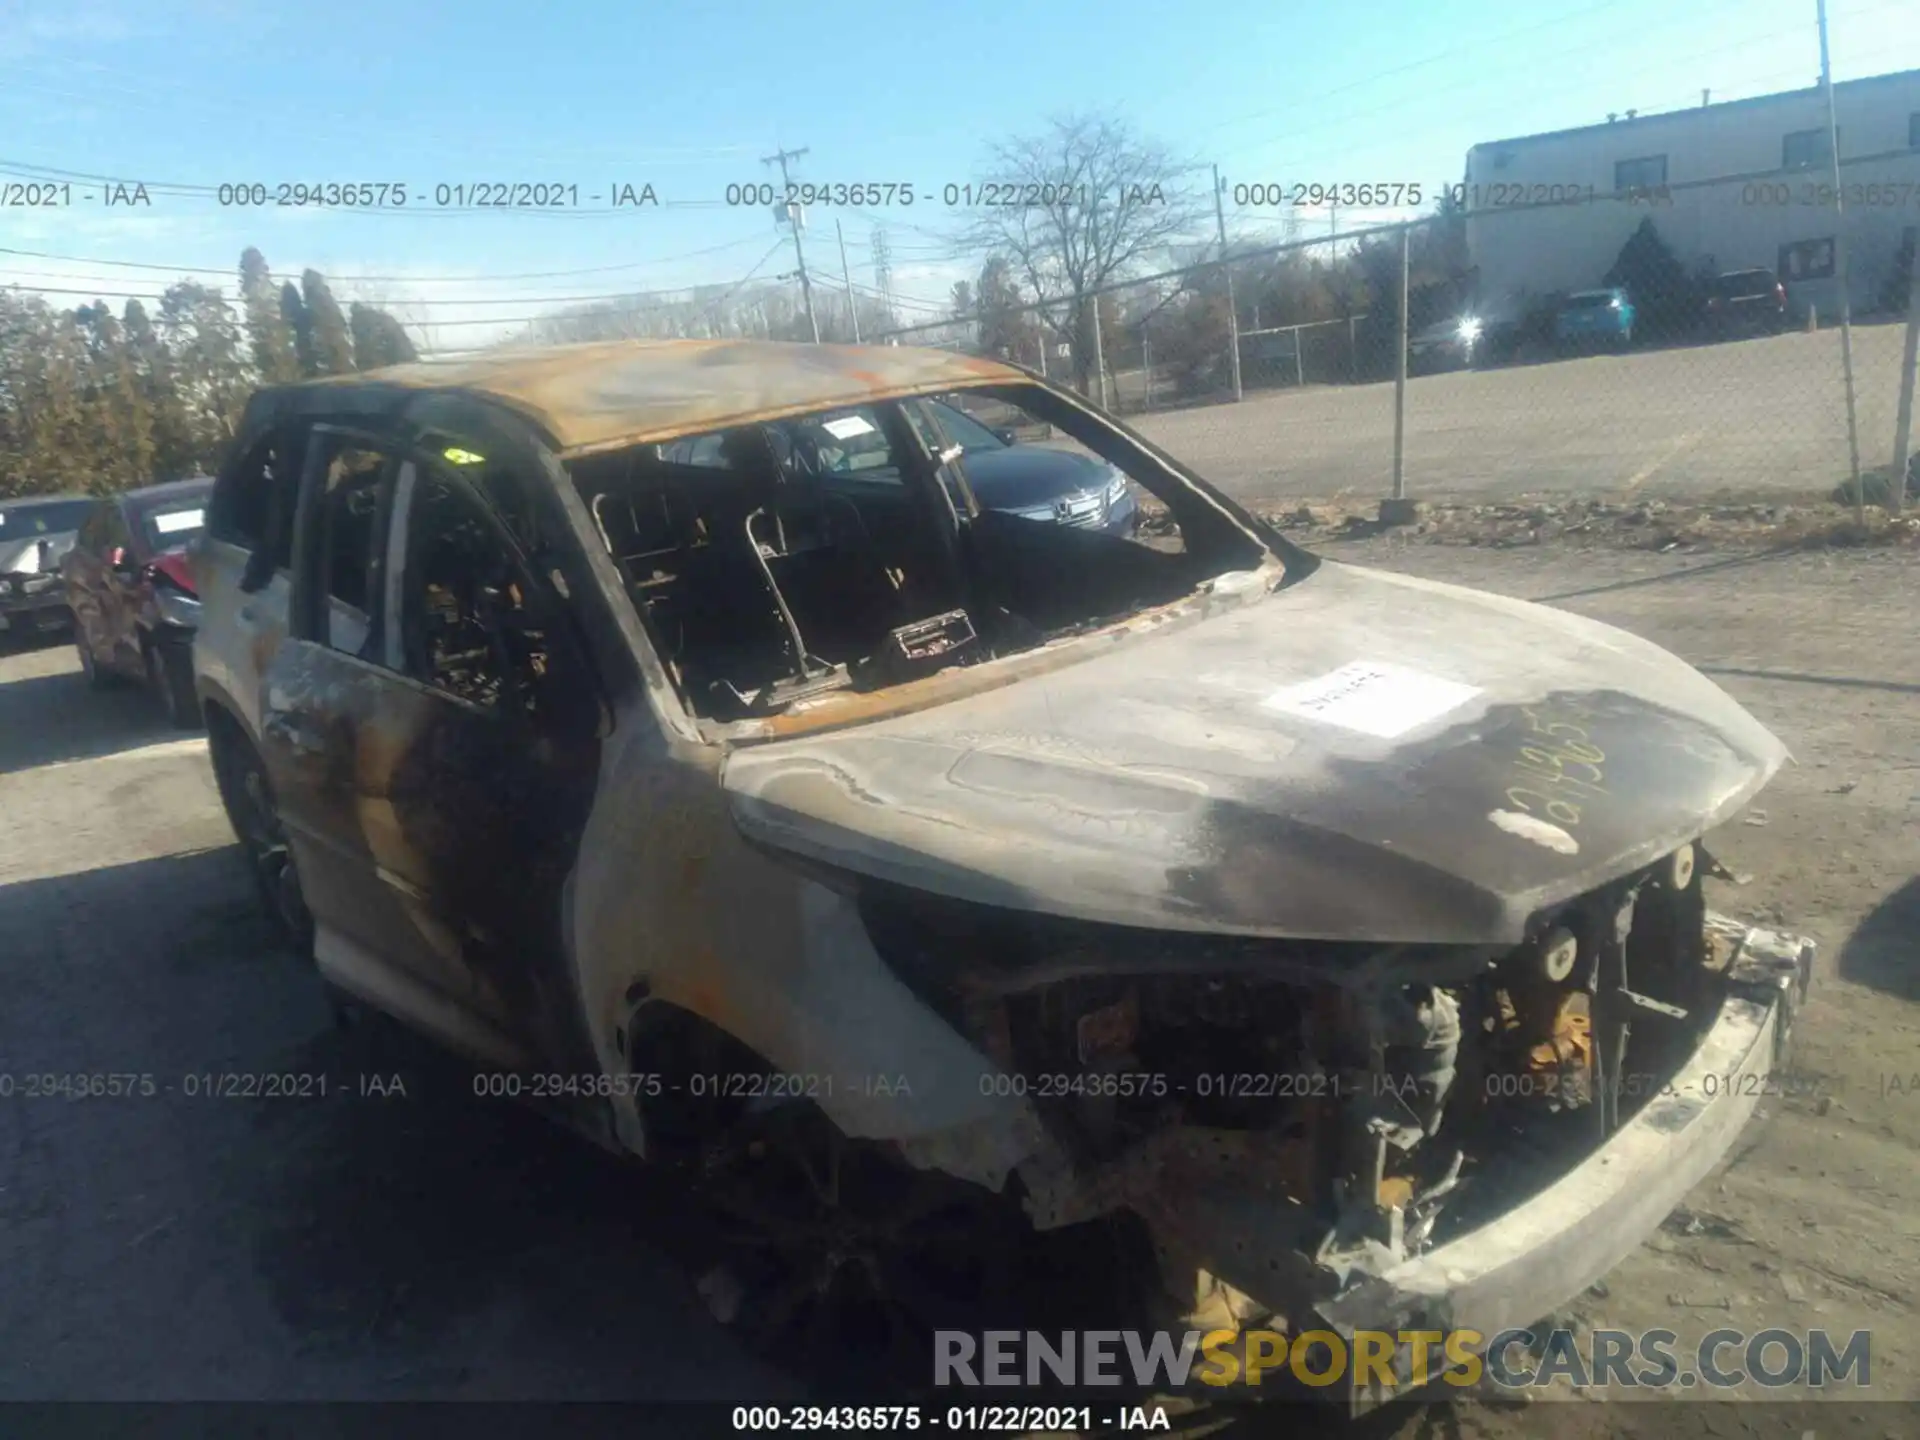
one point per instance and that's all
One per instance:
(1105, 201)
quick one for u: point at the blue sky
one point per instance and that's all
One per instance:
(196, 93)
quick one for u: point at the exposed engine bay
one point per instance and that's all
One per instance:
(771, 564)
(1386, 1099)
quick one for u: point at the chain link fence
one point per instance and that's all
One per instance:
(1685, 341)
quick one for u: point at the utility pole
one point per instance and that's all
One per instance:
(1400, 370)
(796, 217)
(853, 309)
(1398, 510)
(1099, 353)
(1233, 310)
(1903, 424)
(1840, 273)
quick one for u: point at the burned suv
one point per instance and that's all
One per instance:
(1345, 933)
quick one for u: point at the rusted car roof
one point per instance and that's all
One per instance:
(607, 394)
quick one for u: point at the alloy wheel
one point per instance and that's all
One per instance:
(844, 1250)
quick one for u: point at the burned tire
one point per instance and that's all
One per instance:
(836, 1248)
(247, 797)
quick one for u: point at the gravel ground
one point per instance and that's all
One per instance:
(1759, 416)
(438, 1246)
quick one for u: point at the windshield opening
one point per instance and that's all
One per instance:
(863, 546)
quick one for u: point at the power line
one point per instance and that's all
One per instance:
(655, 308)
(737, 285)
(233, 271)
(905, 302)
(1479, 48)
(1427, 96)
(172, 99)
(476, 300)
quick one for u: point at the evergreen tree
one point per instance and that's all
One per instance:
(209, 364)
(1005, 328)
(172, 426)
(300, 325)
(1666, 299)
(120, 419)
(269, 335)
(331, 341)
(43, 407)
(378, 338)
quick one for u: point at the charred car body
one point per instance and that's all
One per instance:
(1347, 930)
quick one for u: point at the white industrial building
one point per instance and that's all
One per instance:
(1745, 183)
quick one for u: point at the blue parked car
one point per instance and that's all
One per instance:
(1593, 318)
(1035, 482)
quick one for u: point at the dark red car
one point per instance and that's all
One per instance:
(134, 601)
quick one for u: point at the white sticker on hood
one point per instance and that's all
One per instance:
(1373, 698)
(1532, 827)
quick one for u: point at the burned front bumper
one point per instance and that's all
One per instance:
(1526, 1263)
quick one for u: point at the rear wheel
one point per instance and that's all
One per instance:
(89, 667)
(255, 817)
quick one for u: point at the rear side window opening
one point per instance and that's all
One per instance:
(252, 506)
(864, 546)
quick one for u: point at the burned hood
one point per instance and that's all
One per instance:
(1361, 756)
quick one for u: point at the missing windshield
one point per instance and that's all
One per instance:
(863, 546)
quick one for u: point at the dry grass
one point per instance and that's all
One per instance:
(1655, 525)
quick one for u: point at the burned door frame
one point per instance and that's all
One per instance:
(249, 544)
(383, 745)
(497, 795)
(313, 698)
